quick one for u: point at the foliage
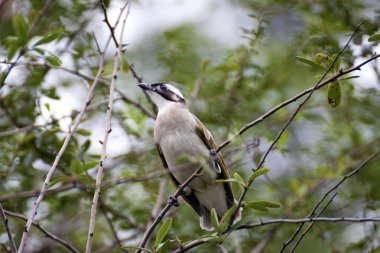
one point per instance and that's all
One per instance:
(49, 56)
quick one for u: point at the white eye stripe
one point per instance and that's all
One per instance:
(174, 90)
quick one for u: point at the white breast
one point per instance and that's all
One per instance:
(181, 146)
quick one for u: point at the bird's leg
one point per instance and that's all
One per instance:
(173, 201)
(213, 154)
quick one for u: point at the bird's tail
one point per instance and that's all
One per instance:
(205, 219)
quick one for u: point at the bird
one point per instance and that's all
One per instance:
(184, 145)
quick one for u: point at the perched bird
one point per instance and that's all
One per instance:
(184, 145)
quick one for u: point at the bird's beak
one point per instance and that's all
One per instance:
(145, 86)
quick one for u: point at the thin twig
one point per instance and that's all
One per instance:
(222, 248)
(112, 28)
(159, 202)
(190, 245)
(311, 219)
(179, 192)
(352, 173)
(312, 223)
(9, 233)
(108, 130)
(45, 232)
(110, 224)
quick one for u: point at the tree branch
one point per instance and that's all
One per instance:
(179, 192)
(112, 28)
(108, 128)
(45, 232)
(310, 219)
(312, 223)
(9, 233)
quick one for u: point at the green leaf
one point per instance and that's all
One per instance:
(334, 93)
(209, 237)
(39, 50)
(226, 219)
(323, 59)
(238, 177)
(257, 173)
(164, 229)
(47, 106)
(230, 180)
(137, 248)
(124, 63)
(244, 220)
(214, 219)
(162, 246)
(262, 205)
(49, 37)
(85, 146)
(205, 64)
(13, 45)
(87, 166)
(54, 60)
(57, 180)
(336, 66)
(83, 132)
(21, 28)
(348, 78)
(374, 37)
(309, 62)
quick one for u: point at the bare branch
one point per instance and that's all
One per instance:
(110, 224)
(9, 233)
(311, 219)
(190, 245)
(312, 223)
(45, 232)
(159, 202)
(112, 28)
(108, 129)
(179, 192)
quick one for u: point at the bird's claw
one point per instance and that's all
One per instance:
(173, 201)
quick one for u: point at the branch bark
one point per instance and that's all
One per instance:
(108, 128)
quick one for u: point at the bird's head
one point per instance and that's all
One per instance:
(163, 94)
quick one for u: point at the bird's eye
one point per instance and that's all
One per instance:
(163, 87)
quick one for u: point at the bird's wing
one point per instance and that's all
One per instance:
(191, 199)
(206, 137)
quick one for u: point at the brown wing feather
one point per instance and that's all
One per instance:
(191, 199)
(208, 140)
